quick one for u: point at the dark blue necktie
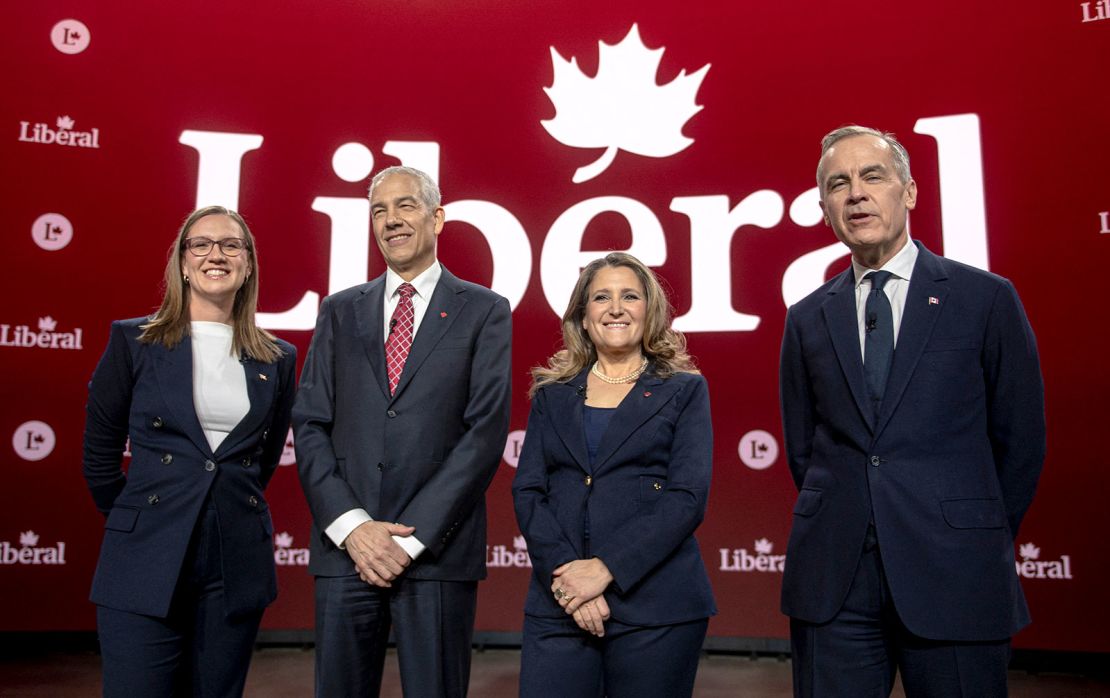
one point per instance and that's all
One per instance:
(878, 344)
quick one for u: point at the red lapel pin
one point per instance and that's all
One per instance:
(443, 314)
(647, 393)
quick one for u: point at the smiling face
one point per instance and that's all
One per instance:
(215, 278)
(614, 314)
(404, 226)
(863, 199)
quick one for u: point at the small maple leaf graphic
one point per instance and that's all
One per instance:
(56, 229)
(1029, 551)
(283, 540)
(38, 438)
(764, 546)
(519, 543)
(65, 122)
(29, 539)
(622, 108)
(47, 324)
(75, 35)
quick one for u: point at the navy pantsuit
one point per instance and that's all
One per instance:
(643, 498)
(940, 479)
(422, 456)
(185, 522)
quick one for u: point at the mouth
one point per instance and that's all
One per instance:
(397, 240)
(615, 325)
(215, 273)
(856, 218)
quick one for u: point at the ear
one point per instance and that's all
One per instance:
(824, 213)
(440, 216)
(910, 195)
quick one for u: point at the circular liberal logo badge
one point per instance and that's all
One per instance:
(513, 444)
(33, 440)
(758, 449)
(52, 231)
(70, 36)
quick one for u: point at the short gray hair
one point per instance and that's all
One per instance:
(429, 190)
(898, 151)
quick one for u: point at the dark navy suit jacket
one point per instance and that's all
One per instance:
(645, 495)
(947, 470)
(423, 456)
(145, 391)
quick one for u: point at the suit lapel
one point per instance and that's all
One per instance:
(843, 326)
(443, 308)
(369, 309)
(645, 399)
(261, 382)
(175, 381)
(918, 320)
(566, 405)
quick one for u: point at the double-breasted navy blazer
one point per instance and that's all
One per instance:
(145, 391)
(423, 456)
(947, 470)
(645, 495)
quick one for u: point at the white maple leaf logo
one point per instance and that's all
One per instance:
(28, 539)
(622, 108)
(283, 540)
(1029, 551)
(47, 324)
(64, 122)
(764, 546)
(519, 543)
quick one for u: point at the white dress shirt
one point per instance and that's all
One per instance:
(901, 268)
(425, 285)
(219, 381)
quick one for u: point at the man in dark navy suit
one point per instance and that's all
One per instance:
(400, 423)
(913, 413)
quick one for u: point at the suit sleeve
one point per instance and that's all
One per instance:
(279, 426)
(461, 481)
(796, 401)
(1015, 403)
(548, 546)
(641, 544)
(327, 491)
(106, 418)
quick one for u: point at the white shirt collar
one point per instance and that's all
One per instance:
(900, 265)
(424, 283)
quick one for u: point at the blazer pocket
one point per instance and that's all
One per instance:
(651, 489)
(122, 519)
(809, 501)
(973, 513)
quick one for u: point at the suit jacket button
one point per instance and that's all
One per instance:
(253, 500)
(209, 465)
(875, 460)
(167, 458)
(381, 466)
(152, 499)
(247, 462)
(157, 423)
(391, 413)
(265, 434)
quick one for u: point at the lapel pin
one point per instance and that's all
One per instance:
(443, 314)
(933, 300)
(263, 376)
(647, 393)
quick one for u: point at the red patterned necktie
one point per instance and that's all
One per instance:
(399, 342)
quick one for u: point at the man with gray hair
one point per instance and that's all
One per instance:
(913, 416)
(400, 422)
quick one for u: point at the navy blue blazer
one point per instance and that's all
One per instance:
(947, 470)
(145, 391)
(646, 494)
(423, 456)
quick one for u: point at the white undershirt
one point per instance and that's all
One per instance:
(896, 288)
(219, 381)
(425, 284)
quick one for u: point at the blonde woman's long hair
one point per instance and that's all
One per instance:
(664, 347)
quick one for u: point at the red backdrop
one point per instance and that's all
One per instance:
(110, 133)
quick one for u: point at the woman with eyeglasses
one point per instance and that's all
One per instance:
(204, 394)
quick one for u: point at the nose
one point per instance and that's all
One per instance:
(856, 192)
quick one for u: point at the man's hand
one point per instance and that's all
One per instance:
(579, 581)
(378, 559)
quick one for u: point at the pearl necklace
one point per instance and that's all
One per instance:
(620, 379)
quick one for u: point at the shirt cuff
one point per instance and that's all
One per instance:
(410, 545)
(342, 527)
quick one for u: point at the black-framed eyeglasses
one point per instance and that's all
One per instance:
(200, 247)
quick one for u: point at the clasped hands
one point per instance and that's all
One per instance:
(578, 587)
(378, 558)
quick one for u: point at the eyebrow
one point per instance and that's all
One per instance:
(398, 200)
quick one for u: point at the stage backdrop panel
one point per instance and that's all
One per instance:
(686, 133)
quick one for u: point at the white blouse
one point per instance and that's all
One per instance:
(219, 381)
